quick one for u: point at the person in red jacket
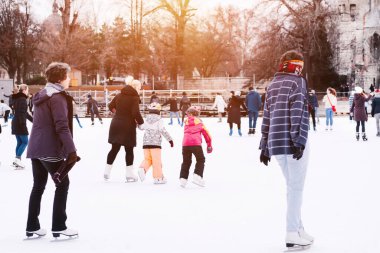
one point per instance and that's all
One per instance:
(192, 144)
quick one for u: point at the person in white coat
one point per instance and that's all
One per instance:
(5, 111)
(220, 104)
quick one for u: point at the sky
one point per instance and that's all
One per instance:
(107, 11)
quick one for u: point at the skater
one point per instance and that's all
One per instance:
(154, 98)
(330, 106)
(75, 113)
(172, 101)
(92, 108)
(315, 105)
(184, 104)
(357, 110)
(350, 102)
(312, 104)
(284, 136)
(5, 110)
(220, 105)
(234, 114)
(125, 107)
(375, 112)
(253, 103)
(30, 103)
(19, 127)
(154, 128)
(192, 144)
(51, 147)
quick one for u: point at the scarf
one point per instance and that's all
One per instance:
(292, 66)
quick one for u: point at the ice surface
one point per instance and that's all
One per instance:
(241, 209)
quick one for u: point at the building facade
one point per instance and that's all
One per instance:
(357, 52)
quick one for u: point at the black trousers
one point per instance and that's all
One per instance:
(312, 114)
(232, 125)
(358, 125)
(6, 116)
(41, 171)
(93, 116)
(129, 156)
(187, 153)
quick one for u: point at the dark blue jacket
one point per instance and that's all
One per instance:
(375, 105)
(21, 114)
(51, 134)
(253, 101)
(313, 100)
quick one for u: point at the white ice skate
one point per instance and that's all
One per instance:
(160, 180)
(295, 242)
(305, 235)
(67, 232)
(141, 172)
(18, 164)
(40, 233)
(183, 182)
(130, 175)
(107, 172)
(198, 180)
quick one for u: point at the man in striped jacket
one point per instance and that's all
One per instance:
(284, 136)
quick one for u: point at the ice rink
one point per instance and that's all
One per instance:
(241, 209)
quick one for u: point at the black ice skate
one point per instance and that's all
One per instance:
(36, 234)
(357, 136)
(364, 136)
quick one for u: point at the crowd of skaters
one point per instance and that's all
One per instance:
(58, 154)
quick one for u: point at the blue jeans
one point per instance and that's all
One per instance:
(22, 142)
(329, 116)
(171, 117)
(252, 119)
(294, 172)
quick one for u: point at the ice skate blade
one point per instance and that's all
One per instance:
(72, 236)
(291, 247)
(131, 180)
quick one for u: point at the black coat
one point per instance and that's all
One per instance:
(233, 109)
(21, 114)
(127, 114)
(92, 106)
(173, 104)
(184, 104)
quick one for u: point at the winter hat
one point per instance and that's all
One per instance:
(128, 80)
(358, 89)
(154, 107)
(237, 93)
(193, 110)
(89, 96)
(136, 84)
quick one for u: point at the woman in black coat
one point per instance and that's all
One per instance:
(359, 112)
(19, 128)
(122, 131)
(233, 109)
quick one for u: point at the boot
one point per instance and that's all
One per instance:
(107, 171)
(305, 235)
(378, 134)
(183, 182)
(250, 131)
(253, 130)
(67, 232)
(130, 175)
(198, 180)
(160, 180)
(239, 131)
(357, 136)
(231, 132)
(18, 164)
(141, 172)
(293, 239)
(40, 232)
(364, 136)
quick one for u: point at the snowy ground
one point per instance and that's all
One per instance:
(241, 209)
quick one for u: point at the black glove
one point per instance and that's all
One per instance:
(171, 143)
(263, 158)
(65, 167)
(298, 152)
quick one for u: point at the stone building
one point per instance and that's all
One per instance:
(53, 23)
(357, 52)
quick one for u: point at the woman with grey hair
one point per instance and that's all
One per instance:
(51, 149)
(125, 107)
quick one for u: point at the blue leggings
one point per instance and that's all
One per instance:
(22, 142)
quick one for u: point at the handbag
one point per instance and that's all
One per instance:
(332, 106)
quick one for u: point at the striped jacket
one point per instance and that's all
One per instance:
(286, 118)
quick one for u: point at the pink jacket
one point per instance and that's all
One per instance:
(194, 129)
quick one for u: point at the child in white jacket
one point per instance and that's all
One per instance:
(154, 128)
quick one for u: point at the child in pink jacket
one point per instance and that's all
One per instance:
(192, 144)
